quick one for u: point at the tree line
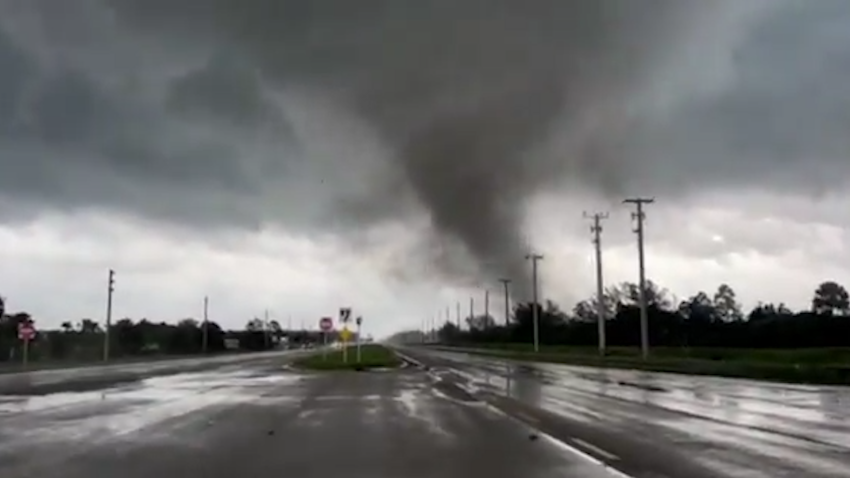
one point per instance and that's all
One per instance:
(84, 340)
(702, 320)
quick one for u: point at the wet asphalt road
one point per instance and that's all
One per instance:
(256, 418)
(95, 377)
(665, 425)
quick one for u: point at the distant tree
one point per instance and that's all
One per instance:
(767, 311)
(67, 327)
(699, 308)
(448, 333)
(128, 338)
(89, 326)
(20, 318)
(831, 298)
(255, 325)
(188, 323)
(726, 305)
(480, 322)
(628, 294)
(585, 311)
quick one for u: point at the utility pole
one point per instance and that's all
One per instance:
(471, 308)
(359, 322)
(110, 290)
(448, 321)
(639, 217)
(486, 307)
(507, 284)
(596, 229)
(535, 312)
(458, 316)
(266, 328)
(205, 332)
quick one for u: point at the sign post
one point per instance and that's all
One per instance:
(26, 332)
(345, 318)
(359, 322)
(326, 324)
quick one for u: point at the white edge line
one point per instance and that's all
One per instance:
(443, 396)
(595, 449)
(564, 445)
(407, 358)
(549, 438)
(580, 453)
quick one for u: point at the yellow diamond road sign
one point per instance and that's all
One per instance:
(345, 334)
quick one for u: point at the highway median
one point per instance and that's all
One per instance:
(371, 357)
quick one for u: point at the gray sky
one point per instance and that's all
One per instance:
(395, 156)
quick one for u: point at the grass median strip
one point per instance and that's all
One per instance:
(372, 356)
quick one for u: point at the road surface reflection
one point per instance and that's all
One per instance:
(739, 427)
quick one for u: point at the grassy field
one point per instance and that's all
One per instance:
(371, 356)
(822, 366)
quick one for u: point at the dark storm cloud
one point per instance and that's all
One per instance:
(479, 105)
(462, 91)
(228, 90)
(781, 121)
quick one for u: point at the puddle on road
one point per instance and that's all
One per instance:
(124, 411)
(804, 458)
(421, 406)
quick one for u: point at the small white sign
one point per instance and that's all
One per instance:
(345, 314)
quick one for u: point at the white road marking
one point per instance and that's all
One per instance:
(567, 447)
(583, 454)
(595, 449)
(527, 418)
(408, 358)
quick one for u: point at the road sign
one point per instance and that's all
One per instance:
(345, 334)
(345, 314)
(26, 332)
(326, 324)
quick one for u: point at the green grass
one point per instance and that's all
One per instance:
(371, 356)
(821, 366)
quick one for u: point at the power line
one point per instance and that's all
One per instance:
(596, 230)
(535, 312)
(639, 217)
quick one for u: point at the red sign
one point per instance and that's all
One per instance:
(326, 324)
(26, 332)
